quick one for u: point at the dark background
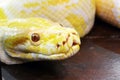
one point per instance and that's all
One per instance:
(0, 72)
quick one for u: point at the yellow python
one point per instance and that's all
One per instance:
(26, 36)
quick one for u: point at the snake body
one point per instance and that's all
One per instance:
(26, 36)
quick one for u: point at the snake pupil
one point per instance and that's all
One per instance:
(35, 37)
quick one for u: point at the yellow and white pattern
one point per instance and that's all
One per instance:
(78, 14)
(69, 13)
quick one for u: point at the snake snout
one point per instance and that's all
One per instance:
(67, 42)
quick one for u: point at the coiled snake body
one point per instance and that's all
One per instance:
(26, 36)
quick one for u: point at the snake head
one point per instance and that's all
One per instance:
(40, 39)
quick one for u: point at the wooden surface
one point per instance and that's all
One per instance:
(98, 59)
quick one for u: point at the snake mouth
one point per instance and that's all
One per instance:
(62, 55)
(58, 56)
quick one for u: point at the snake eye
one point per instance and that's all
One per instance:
(35, 37)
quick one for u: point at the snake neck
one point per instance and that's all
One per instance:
(4, 33)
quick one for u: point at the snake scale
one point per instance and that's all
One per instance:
(33, 30)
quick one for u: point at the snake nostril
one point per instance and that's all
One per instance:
(58, 45)
(64, 42)
(74, 43)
